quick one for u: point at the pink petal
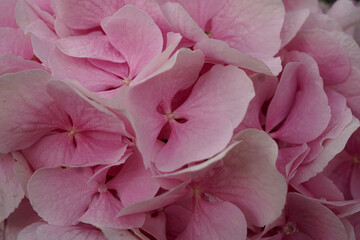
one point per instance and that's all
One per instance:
(313, 219)
(217, 50)
(7, 18)
(322, 187)
(23, 216)
(42, 114)
(123, 26)
(22, 170)
(92, 78)
(134, 183)
(11, 191)
(43, 40)
(85, 14)
(60, 195)
(265, 87)
(332, 60)
(175, 194)
(43, 231)
(345, 12)
(354, 182)
(93, 135)
(16, 42)
(94, 45)
(284, 97)
(230, 100)
(310, 120)
(331, 141)
(215, 220)
(11, 64)
(102, 213)
(293, 22)
(290, 158)
(203, 10)
(178, 73)
(251, 26)
(180, 21)
(116, 234)
(248, 178)
(157, 62)
(156, 225)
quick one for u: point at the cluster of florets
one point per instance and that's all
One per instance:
(181, 119)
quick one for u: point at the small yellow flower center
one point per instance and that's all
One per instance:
(355, 160)
(290, 228)
(72, 132)
(126, 81)
(170, 116)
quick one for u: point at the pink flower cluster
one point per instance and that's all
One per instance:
(179, 119)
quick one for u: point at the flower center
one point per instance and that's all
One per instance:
(72, 132)
(102, 188)
(290, 228)
(126, 81)
(356, 160)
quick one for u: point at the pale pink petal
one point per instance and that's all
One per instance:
(22, 170)
(7, 17)
(215, 220)
(85, 14)
(332, 60)
(345, 12)
(93, 134)
(29, 233)
(27, 12)
(177, 219)
(188, 140)
(116, 234)
(60, 195)
(11, 191)
(119, 69)
(126, 30)
(175, 194)
(248, 178)
(16, 42)
(177, 74)
(265, 87)
(181, 22)
(310, 120)
(293, 5)
(293, 22)
(313, 219)
(284, 97)
(134, 183)
(290, 158)
(11, 64)
(43, 231)
(23, 216)
(152, 7)
(322, 187)
(156, 225)
(251, 26)
(43, 40)
(173, 41)
(102, 213)
(219, 51)
(16, 101)
(94, 45)
(91, 77)
(203, 10)
(331, 141)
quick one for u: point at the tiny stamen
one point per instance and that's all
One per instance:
(290, 228)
